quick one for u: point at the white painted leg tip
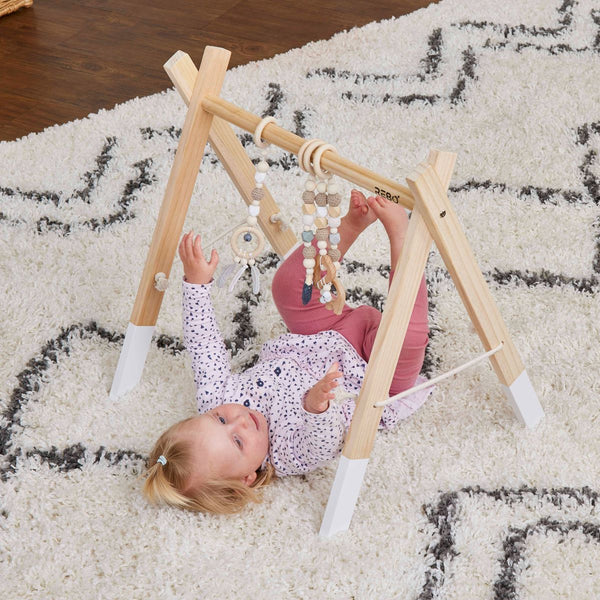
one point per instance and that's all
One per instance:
(343, 496)
(132, 359)
(524, 401)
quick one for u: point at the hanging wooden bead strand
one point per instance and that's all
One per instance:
(326, 212)
(308, 219)
(328, 220)
(249, 233)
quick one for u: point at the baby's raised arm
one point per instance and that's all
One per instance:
(201, 335)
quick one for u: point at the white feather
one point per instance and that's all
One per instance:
(236, 277)
(225, 275)
(255, 279)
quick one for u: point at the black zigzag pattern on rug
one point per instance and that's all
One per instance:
(30, 381)
(444, 515)
(430, 65)
(92, 180)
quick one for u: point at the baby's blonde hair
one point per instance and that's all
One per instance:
(167, 482)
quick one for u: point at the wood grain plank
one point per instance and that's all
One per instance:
(63, 60)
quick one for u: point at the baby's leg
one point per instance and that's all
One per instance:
(287, 295)
(356, 220)
(395, 222)
(358, 325)
(289, 279)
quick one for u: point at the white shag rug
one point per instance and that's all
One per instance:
(460, 502)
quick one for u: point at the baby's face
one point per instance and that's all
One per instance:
(231, 442)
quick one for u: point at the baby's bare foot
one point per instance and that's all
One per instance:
(392, 215)
(359, 216)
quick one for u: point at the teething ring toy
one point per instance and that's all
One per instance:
(324, 264)
(337, 304)
(316, 161)
(258, 141)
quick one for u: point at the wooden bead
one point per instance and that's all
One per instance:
(262, 166)
(335, 254)
(308, 209)
(309, 252)
(320, 222)
(334, 200)
(334, 211)
(258, 194)
(321, 199)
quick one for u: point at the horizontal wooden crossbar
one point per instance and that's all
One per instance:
(332, 162)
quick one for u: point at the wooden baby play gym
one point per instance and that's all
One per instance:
(433, 220)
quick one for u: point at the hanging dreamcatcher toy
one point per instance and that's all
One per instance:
(248, 241)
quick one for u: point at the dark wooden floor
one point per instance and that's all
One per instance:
(62, 59)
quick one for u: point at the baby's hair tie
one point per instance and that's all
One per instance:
(162, 460)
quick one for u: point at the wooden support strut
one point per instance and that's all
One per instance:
(394, 324)
(432, 202)
(331, 161)
(180, 186)
(230, 152)
(382, 364)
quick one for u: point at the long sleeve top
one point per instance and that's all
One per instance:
(287, 368)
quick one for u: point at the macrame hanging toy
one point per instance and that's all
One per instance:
(321, 219)
(249, 234)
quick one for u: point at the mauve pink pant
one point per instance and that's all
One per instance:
(358, 325)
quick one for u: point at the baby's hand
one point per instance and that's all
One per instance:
(317, 398)
(195, 267)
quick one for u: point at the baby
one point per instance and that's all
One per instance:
(276, 418)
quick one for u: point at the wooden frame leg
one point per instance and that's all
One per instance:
(378, 378)
(380, 370)
(182, 72)
(524, 401)
(432, 201)
(170, 220)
